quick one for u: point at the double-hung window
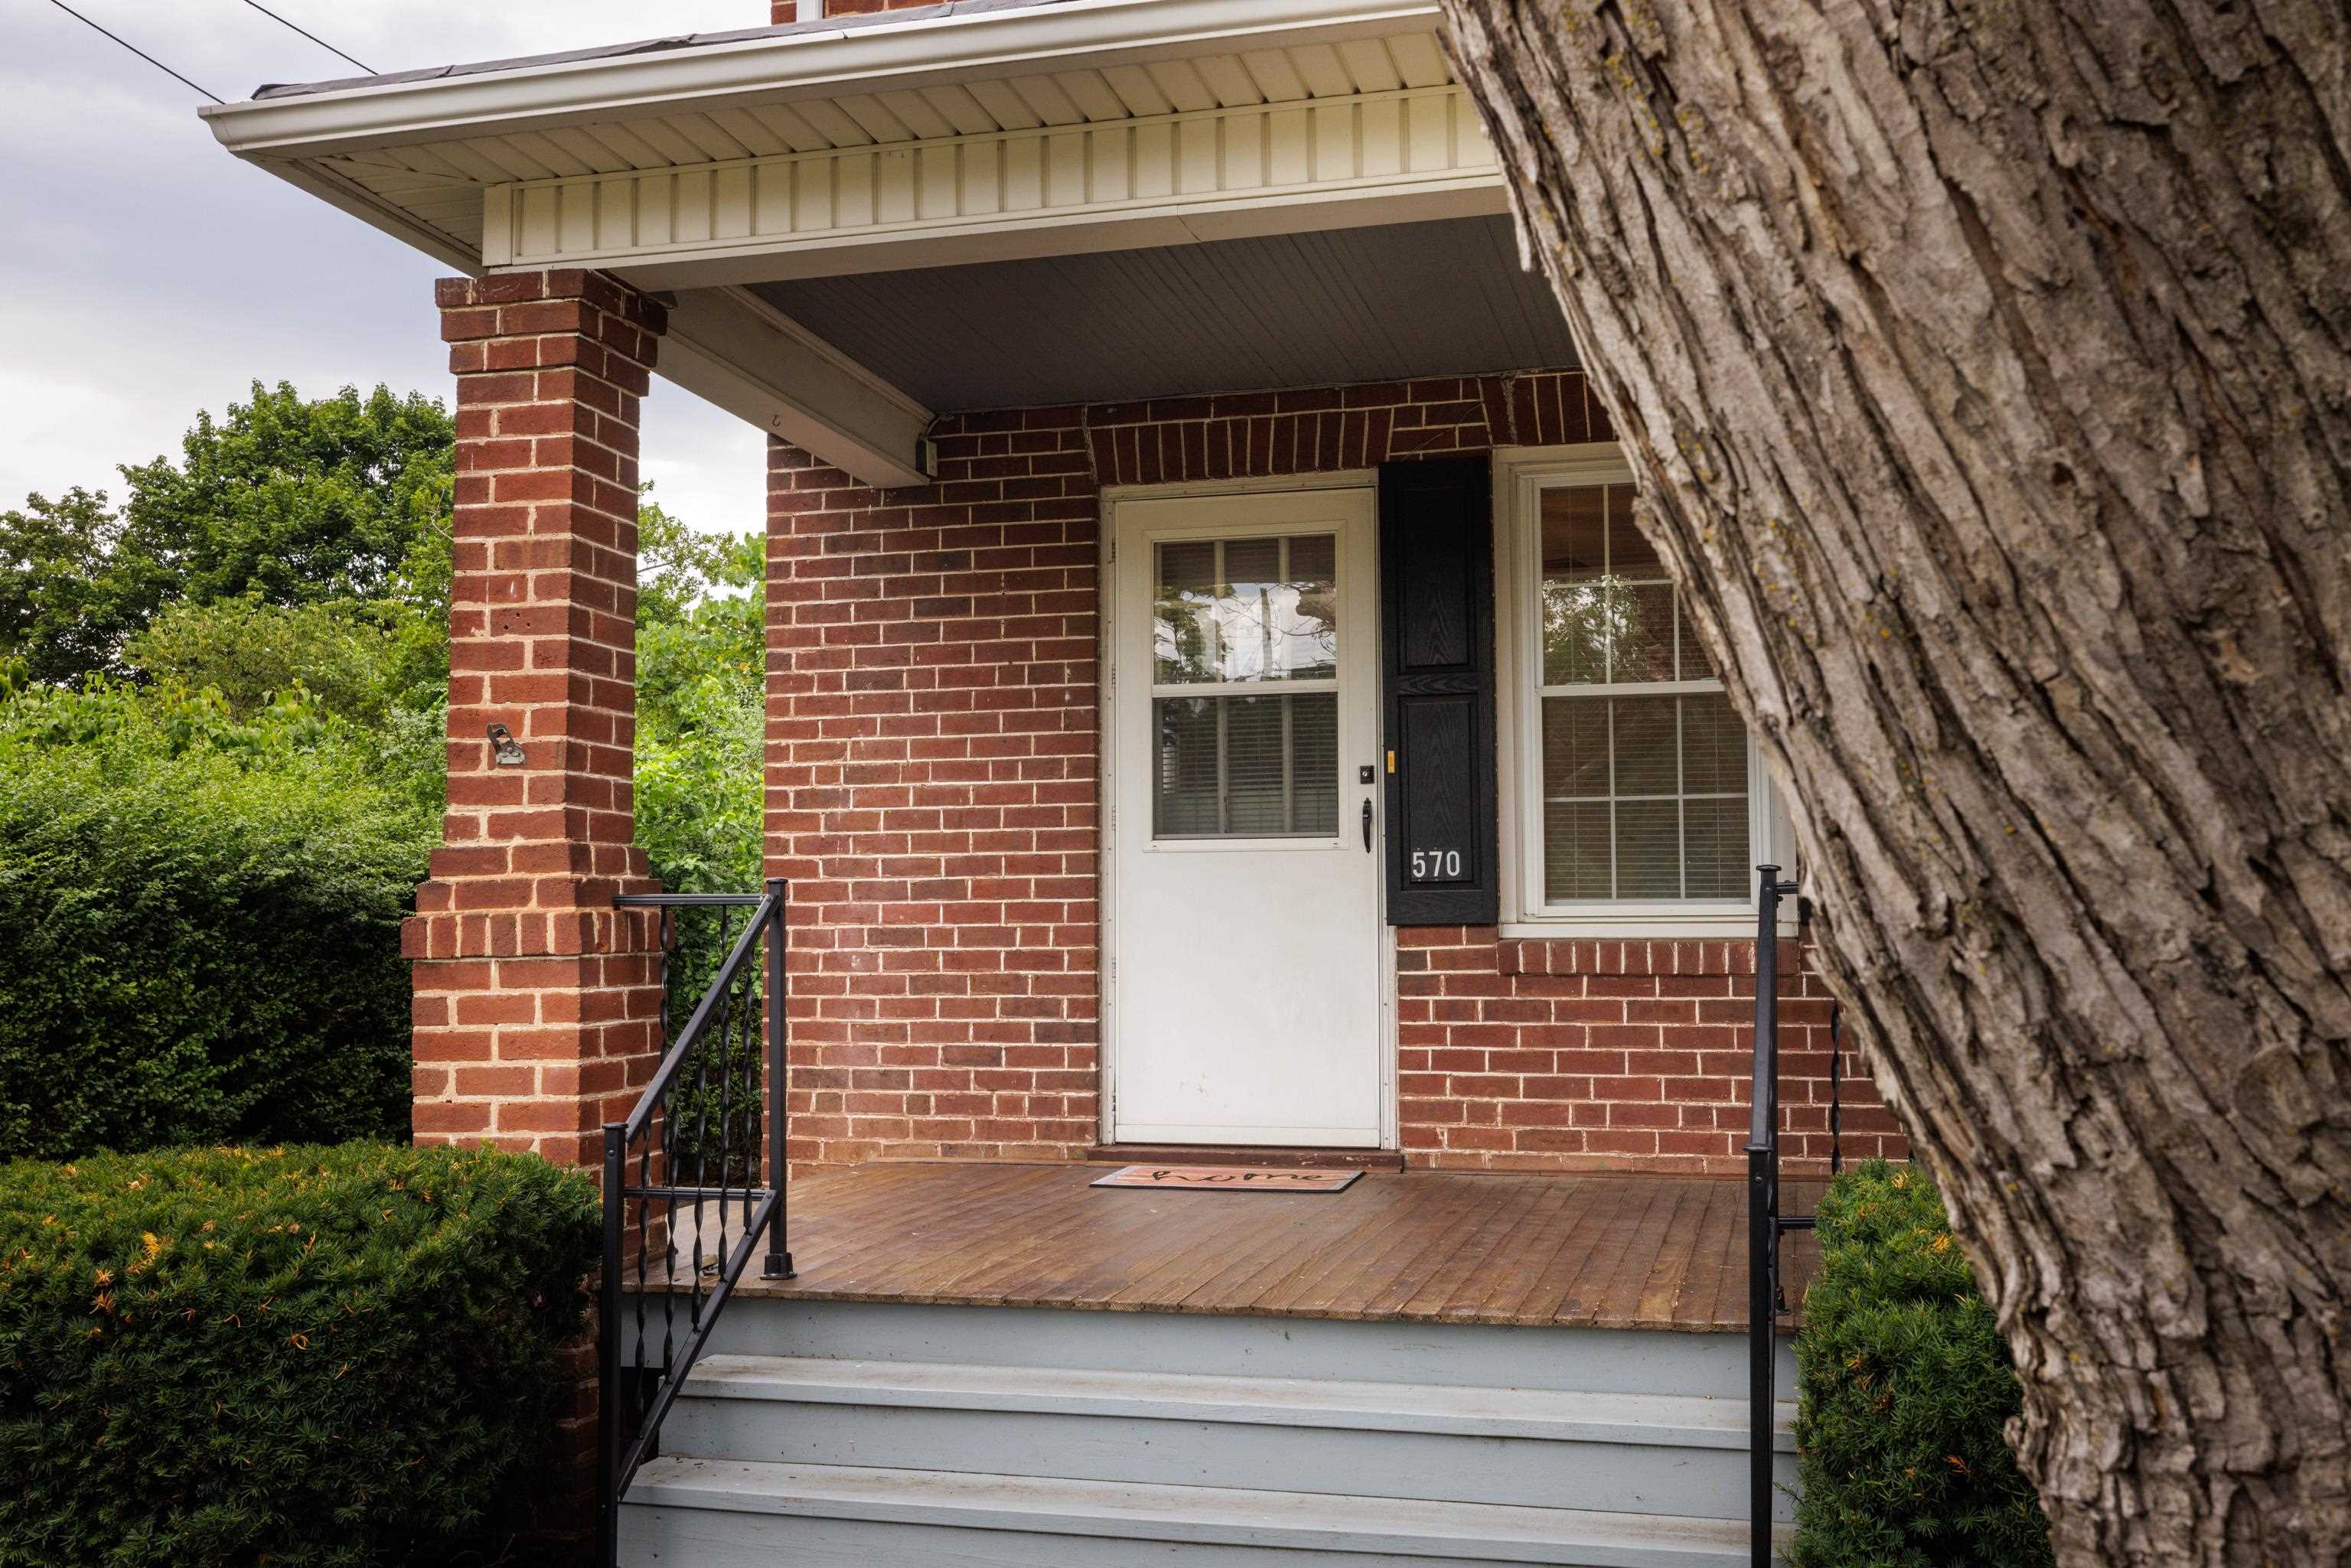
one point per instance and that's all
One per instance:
(1640, 808)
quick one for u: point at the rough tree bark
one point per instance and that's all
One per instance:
(1986, 367)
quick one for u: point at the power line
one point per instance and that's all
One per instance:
(309, 34)
(135, 49)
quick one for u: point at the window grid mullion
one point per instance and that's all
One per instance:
(1216, 586)
(1288, 769)
(1681, 803)
(1700, 687)
(1244, 688)
(1609, 593)
(1612, 771)
(1224, 772)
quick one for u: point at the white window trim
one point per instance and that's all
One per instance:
(1520, 476)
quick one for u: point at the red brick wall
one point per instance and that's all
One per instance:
(1604, 1054)
(536, 1003)
(932, 768)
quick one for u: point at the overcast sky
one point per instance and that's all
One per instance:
(145, 273)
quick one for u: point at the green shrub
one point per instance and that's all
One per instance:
(1905, 1386)
(341, 1356)
(199, 922)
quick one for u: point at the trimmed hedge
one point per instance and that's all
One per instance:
(1905, 1386)
(200, 923)
(341, 1356)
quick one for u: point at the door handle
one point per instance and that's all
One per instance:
(1367, 826)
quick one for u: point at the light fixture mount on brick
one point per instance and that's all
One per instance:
(505, 747)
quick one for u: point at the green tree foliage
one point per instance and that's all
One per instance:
(200, 919)
(1906, 1390)
(59, 617)
(285, 501)
(338, 1357)
(293, 501)
(701, 728)
(701, 704)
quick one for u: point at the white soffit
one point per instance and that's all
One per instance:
(1025, 130)
(964, 134)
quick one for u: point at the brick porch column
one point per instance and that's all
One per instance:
(537, 1004)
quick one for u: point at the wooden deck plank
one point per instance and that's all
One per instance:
(1405, 1226)
(1703, 1286)
(1132, 1233)
(1595, 1292)
(1547, 1232)
(1301, 1234)
(1620, 1252)
(897, 1231)
(1464, 1272)
(1555, 1282)
(1668, 1261)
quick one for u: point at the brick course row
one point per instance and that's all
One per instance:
(1606, 1054)
(931, 765)
(535, 1001)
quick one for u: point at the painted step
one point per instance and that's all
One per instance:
(1585, 1360)
(712, 1513)
(1677, 1454)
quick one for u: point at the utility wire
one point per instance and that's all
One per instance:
(309, 34)
(142, 54)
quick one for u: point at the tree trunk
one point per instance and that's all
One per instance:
(1985, 366)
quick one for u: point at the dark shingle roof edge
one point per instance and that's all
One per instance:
(645, 47)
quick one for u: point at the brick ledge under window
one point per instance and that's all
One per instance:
(1617, 956)
(1728, 925)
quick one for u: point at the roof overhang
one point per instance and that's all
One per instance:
(966, 132)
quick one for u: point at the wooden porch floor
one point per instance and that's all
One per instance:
(1600, 1252)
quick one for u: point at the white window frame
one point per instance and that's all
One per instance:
(1520, 476)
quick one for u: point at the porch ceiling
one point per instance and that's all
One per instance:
(1392, 303)
(986, 146)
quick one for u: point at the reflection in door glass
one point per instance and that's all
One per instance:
(1247, 610)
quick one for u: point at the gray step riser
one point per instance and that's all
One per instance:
(1618, 1361)
(1612, 1476)
(693, 1538)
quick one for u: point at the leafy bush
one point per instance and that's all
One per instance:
(701, 704)
(334, 1356)
(1904, 1388)
(199, 921)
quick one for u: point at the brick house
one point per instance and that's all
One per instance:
(1218, 706)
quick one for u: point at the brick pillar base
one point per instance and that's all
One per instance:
(538, 1005)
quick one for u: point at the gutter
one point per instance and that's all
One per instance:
(800, 63)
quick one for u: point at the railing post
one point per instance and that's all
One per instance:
(778, 1265)
(608, 1352)
(1761, 1219)
(1763, 1223)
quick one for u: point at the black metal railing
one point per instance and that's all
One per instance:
(693, 1181)
(1767, 1300)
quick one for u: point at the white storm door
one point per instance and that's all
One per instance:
(1246, 979)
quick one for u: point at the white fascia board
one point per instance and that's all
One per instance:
(733, 349)
(789, 66)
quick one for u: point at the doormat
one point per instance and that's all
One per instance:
(1229, 1179)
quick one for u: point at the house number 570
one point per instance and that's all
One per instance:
(1430, 864)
